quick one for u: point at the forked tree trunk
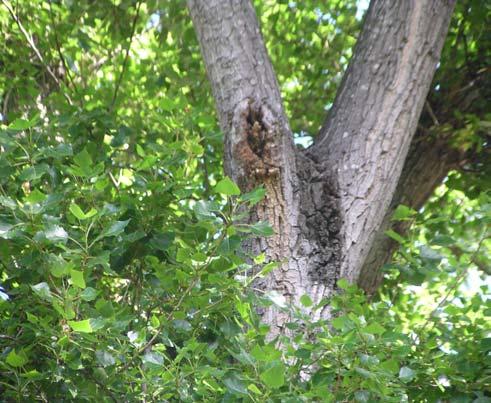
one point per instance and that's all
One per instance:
(328, 205)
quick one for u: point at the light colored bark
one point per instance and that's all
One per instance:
(327, 204)
(259, 147)
(428, 163)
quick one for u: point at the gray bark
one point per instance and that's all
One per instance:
(428, 163)
(327, 205)
(366, 137)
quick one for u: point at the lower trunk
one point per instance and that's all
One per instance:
(300, 204)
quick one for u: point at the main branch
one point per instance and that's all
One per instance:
(367, 135)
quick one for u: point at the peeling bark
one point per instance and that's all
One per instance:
(327, 205)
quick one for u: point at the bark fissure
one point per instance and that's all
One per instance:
(319, 222)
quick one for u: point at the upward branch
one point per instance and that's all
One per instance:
(366, 137)
(244, 85)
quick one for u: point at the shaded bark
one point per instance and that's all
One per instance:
(327, 204)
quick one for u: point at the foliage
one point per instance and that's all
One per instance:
(121, 270)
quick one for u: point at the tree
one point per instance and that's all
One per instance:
(331, 203)
(126, 255)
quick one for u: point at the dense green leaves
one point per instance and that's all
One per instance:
(121, 272)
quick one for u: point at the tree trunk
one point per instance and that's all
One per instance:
(327, 204)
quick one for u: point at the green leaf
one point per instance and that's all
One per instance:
(485, 344)
(78, 213)
(115, 229)
(59, 267)
(42, 290)
(341, 322)
(8, 202)
(235, 385)
(254, 197)
(33, 375)
(34, 172)
(53, 234)
(227, 187)
(183, 325)
(362, 396)
(374, 328)
(35, 196)
(262, 228)
(105, 358)
(395, 236)
(343, 284)
(303, 353)
(430, 254)
(83, 160)
(267, 353)
(402, 213)
(20, 124)
(267, 269)
(89, 294)
(406, 374)
(365, 373)
(254, 389)
(390, 365)
(167, 104)
(274, 377)
(77, 278)
(81, 326)
(153, 359)
(203, 210)
(276, 298)
(305, 300)
(4, 230)
(162, 241)
(17, 359)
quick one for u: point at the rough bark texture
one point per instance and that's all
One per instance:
(367, 134)
(259, 147)
(427, 164)
(327, 205)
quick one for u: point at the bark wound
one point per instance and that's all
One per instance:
(320, 222)
(255, 151)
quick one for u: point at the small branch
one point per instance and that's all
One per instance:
(453, 288)
(32, 45)
(60, 53)
(125, 62)
(432, 114)
(6, 100)
(114, 182)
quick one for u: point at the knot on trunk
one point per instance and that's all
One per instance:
(256, 150)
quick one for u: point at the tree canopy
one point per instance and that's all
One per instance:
(121, 269)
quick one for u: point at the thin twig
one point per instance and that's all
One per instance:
(125, 62)
(5, 106)
(432, 114)
(60, 53)
(32, 45)
(456, 284)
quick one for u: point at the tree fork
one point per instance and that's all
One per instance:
(326, 204)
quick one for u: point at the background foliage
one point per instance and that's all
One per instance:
(120, 266)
